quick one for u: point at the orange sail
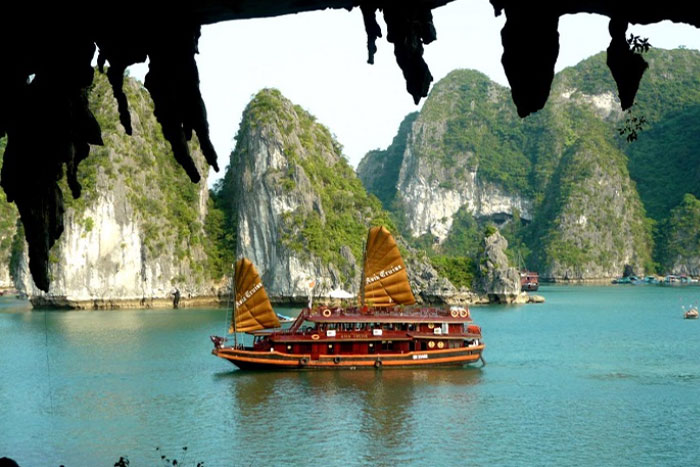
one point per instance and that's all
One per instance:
(385, 278)
(253, 309)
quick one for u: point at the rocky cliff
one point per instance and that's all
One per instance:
(497, 279)
(302, 214)
(447, 159)
(681, 242)
(565, 185)
(137, 233)
(595, 221)
(8, 228)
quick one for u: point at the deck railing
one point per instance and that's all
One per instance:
(403, 311)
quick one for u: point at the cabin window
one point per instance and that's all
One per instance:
(330, 348)
(289, 348)
(371, 348)
(387, 345)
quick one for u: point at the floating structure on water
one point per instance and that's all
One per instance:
(386, 329)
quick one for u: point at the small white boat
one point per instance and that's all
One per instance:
(285, 318)
(691, 314)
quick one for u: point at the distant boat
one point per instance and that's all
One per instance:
(673, 280)
(687, 280)
(529, 280)
(626, 280)
(385, 330)
(284, 318)
(691, 314)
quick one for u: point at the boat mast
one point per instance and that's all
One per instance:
(362, 277)
(233, 288)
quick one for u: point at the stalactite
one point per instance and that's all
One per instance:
(372, 28)
(408, 28)
(626, 66)
(530, 49)
(173, 82)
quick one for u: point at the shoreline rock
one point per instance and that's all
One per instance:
(535, 299)
(63, 303)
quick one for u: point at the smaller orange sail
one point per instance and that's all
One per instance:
(252, 310)
(385, 277)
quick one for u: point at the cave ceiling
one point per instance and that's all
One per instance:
(47, 72)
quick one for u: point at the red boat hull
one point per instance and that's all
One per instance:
(256, 360)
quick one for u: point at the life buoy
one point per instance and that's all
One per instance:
(440, 344)
(326, 312)
(336, 360)
(303, 361)
(431, 344)
(454, 313)
(378, 364)
(315, 337)
(463, 313)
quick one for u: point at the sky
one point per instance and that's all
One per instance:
(319, 61)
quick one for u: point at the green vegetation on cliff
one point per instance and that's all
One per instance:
(379, 169)
(452, 258)
(681, 239)
(664, 162)
(330, 208)
(592, 223)
(492, 135)
(348, 210)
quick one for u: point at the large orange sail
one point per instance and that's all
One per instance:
(385, 278)
(253, 309)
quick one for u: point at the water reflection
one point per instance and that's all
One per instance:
(375, 411)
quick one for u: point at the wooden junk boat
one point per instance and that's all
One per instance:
(386, 329)
(529, 281)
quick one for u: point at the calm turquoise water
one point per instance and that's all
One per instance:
(595, 376)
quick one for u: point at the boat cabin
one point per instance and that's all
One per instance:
(351, 332)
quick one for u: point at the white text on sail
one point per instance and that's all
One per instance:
(383, 274)
(248, 293)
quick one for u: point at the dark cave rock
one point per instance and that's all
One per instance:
(626, 66)
(530, 50)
